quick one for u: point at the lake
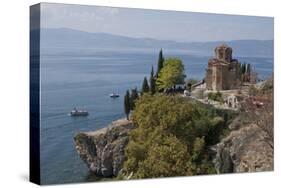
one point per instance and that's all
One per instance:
(84, 79)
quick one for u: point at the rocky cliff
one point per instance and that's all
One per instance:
(104, 150)
(245, 149)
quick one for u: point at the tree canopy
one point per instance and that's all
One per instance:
(171, 138)
(171, 74)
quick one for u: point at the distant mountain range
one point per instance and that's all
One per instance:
(69, 38)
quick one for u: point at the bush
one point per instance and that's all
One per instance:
(215, 96)
(171, 138)
(253, 91)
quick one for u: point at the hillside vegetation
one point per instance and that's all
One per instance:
(172, 137)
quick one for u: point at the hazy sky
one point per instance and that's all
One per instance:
(168, 25)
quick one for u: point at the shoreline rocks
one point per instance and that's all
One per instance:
(104, 150)
(245, 149)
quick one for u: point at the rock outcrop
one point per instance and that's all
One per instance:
(245, 149)
(104, 150)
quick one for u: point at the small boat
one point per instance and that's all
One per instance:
(76, 112)
(114, 95)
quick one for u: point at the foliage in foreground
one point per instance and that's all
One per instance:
(171, 138)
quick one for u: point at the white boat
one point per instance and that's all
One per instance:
(76, 112)
(114, 95)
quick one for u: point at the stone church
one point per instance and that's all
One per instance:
(223, 72)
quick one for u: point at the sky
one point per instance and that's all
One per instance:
(163, 25)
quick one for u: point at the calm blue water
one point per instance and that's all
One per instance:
(84, 80)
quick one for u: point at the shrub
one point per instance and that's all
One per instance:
(215, 96)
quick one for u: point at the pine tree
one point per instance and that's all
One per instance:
(152, 82)
(160, 62)
(133, 98)
(145, 86)
(127, 104)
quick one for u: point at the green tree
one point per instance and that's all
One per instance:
(165, 159)
(249, 68)
(171, 74)
(145, 86)
(152, 82)
(243, 72)
(171, 138)
(127, 104)
(134, 96)
(160, 62)
(248, 72)
(238, 66)
(243, 68)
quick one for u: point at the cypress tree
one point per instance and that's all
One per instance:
(243, 68)
(152, 82)
(127, 104)
(145, 86)
(248, 72)
(133, 98)
(240, 71)
(160, 62)
(249, 68)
